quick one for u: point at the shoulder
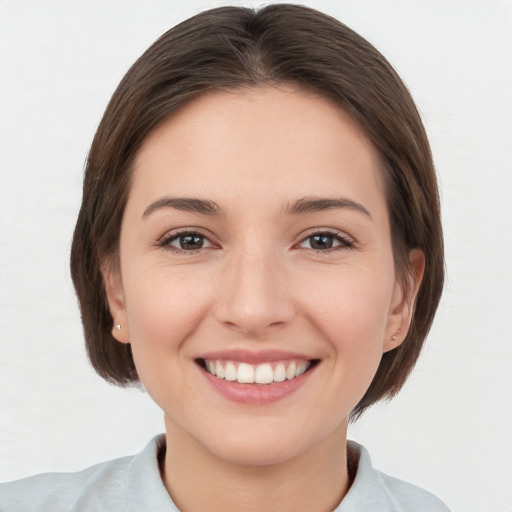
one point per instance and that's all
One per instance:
(409, 496)
(374, 490)
(67, 491)
(108, 486)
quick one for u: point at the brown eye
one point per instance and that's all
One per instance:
(321, 242)
(186, 242)
(191, 242)
(326, 242)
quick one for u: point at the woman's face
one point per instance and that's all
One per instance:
(256, 245)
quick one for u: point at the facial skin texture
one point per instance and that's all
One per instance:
(257, 285)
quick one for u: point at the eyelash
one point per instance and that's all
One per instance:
(345, 242)
(165, 242)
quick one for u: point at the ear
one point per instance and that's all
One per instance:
(116, 301)
(402, 304)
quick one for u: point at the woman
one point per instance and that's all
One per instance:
(260, 245)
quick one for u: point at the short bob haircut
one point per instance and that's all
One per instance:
(232, 48)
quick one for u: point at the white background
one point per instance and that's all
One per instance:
(450, 428)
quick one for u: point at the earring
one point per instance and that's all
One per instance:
(395, 336)
(118, 327)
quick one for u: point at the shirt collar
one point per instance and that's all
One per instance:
(368, 491)
(146, 490)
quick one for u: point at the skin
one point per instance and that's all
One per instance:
(258, 283)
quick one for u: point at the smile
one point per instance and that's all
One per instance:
(263, 373)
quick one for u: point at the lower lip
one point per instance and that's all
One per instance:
(257, 394)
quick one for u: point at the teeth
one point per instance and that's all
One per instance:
(219, 370)
(260, 374)
(301, 369)
(230, 373)
(211, 367)
(245, 373)
(264, 374)
(279, 373)
(290, 371)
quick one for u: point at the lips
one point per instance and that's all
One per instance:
(256, 377)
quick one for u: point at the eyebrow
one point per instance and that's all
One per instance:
(318, 204)
(184, 204)
(304, 205)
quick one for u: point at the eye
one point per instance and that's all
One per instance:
(326, 241)
(188, 241)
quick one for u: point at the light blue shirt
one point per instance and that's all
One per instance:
(133, 484)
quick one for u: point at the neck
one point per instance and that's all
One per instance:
(315, 480)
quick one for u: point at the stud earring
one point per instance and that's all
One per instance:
(118, 327)
(395, 336)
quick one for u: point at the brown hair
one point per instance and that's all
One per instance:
(232, 47)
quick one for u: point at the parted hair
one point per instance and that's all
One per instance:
(235, 47)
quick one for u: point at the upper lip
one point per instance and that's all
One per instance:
(253, 357)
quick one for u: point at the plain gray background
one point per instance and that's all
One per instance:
(449, 429)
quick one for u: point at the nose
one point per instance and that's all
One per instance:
(253, 296)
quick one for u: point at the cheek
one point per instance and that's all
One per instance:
(351, 318)
(360, 291)
(351, 308)
(164, 306)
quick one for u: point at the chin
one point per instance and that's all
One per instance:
(264, 443)
(256, 454)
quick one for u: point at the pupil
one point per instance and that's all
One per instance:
(321, 242)
(189, 242)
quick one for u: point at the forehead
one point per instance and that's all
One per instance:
(253, 141)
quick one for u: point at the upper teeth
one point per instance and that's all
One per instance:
(259, 374)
